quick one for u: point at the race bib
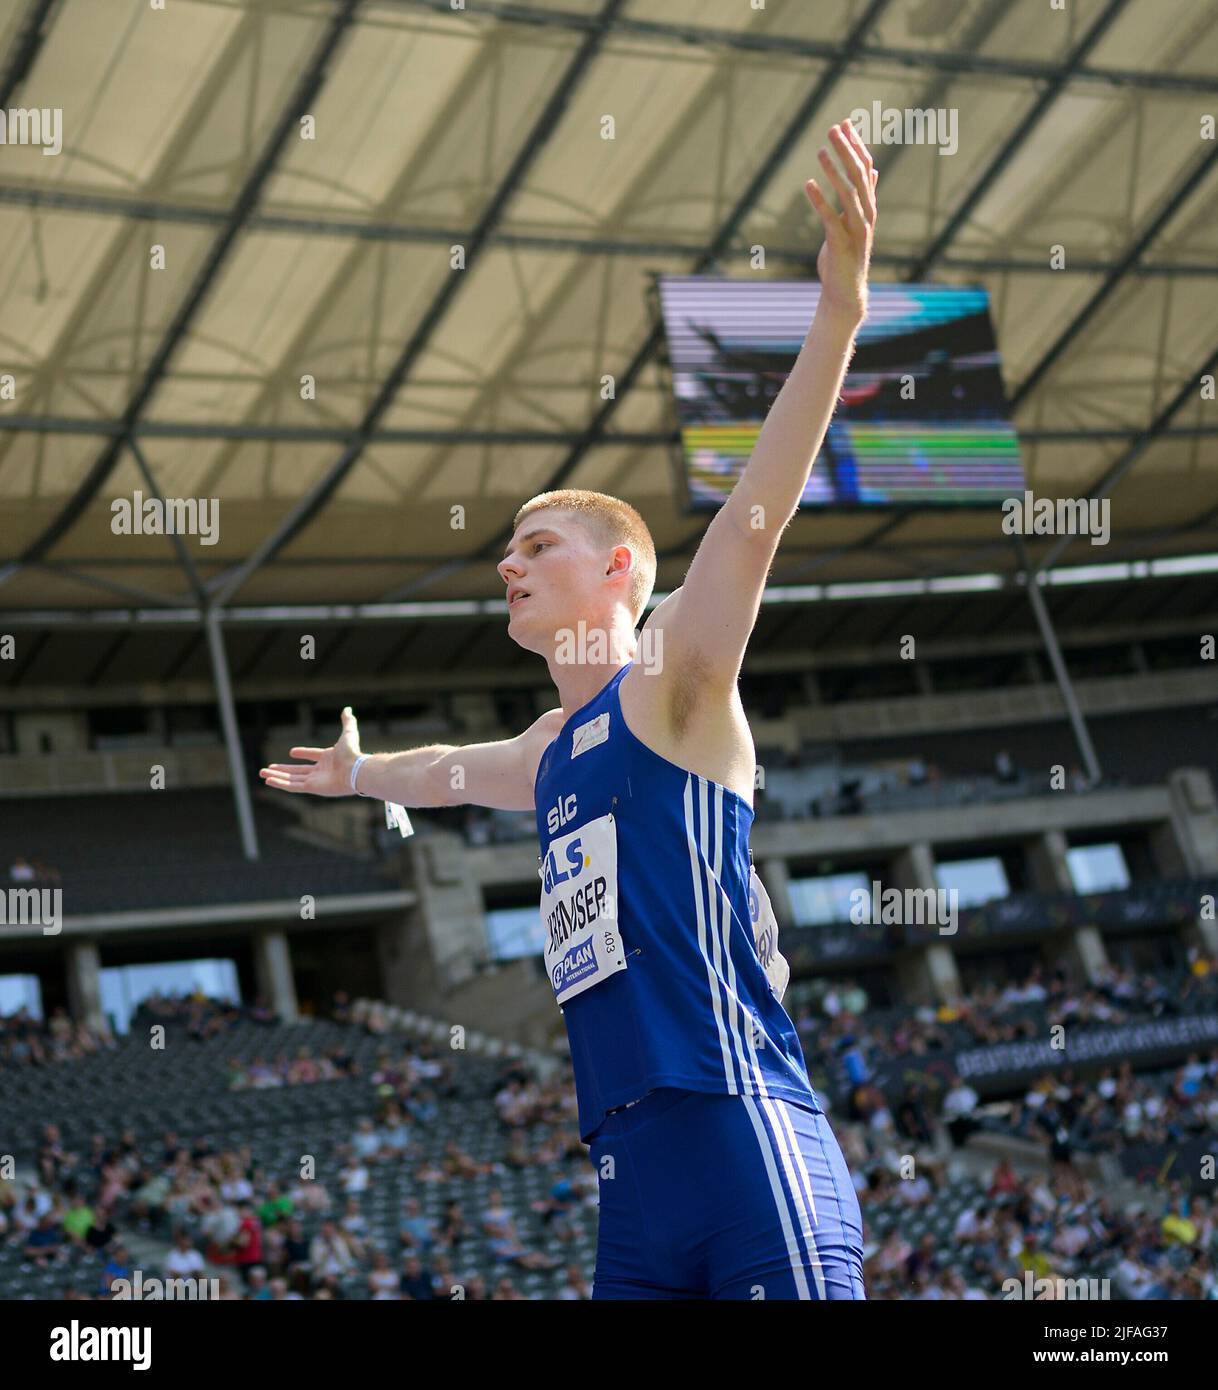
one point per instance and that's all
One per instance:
(765, 936)
(579, 909)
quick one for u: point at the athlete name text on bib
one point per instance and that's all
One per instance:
(583, 947)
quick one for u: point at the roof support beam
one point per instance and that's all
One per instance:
(303, 511)
(185, 559)
(302, 97)
(314, 434)
(286, 616)
(30, 37)
(108, 205)
(1103, 486)
(111, 586)
(1141, 441)
(1200, 171)
(964, 64)
(794, 130)
(1016, 140)
(609, 23)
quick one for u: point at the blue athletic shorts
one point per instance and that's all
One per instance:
(721, 1196)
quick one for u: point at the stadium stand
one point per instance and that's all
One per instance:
(99, 847)
(301, 1148)
(439, 1167)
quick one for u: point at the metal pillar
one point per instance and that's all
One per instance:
(232, 737)
(1081, 735)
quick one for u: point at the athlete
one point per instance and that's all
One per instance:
(719, 1174)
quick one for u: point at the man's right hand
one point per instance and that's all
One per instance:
(328, 770)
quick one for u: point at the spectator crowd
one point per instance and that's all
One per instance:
(217, 1212)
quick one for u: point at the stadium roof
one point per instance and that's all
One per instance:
(285, 256)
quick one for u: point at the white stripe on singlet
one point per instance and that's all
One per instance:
(779, 1139)
(720, 915)
(694, 866)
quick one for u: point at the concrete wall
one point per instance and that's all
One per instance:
(38, 774)
(68, 732)
(892, 833)
(435, 958)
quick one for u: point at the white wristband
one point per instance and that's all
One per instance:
(363, 757)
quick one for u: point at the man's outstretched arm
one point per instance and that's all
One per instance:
(708, 626)
(499, 775)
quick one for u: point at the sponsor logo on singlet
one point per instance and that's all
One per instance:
(581, 903)
(563, 812)
(578, 963)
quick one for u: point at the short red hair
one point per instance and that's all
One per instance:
(611, 522)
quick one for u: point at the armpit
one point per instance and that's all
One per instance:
(689, 681)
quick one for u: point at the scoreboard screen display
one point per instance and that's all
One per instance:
(923, 416)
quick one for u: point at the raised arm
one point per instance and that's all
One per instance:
(499, 775)
(707, 629)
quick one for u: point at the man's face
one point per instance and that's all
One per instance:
(555, 575)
